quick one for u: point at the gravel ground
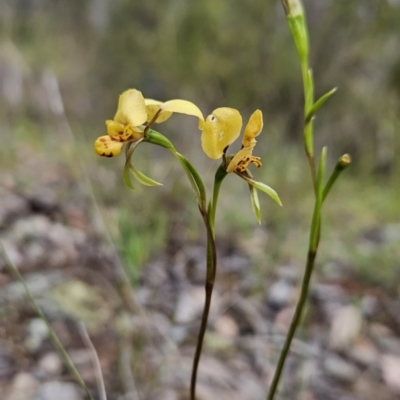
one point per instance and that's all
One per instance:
(348, 349)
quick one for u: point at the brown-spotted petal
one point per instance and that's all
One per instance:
(108, 146)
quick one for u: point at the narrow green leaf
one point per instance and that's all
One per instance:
(127, 176)
(255, 203)
(263, 187)
(318, 104)
(194, 178)
(142, 178)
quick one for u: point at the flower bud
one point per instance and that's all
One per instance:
(344, 161)
(293, 7)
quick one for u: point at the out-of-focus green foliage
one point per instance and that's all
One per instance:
(215, 53)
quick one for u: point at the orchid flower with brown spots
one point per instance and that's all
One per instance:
(134, 116)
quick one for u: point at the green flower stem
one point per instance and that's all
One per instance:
(209, 220)
(312, 252)
(53, 336)
(294, 324)
(311, 255)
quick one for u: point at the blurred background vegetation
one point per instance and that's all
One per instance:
(215, 53)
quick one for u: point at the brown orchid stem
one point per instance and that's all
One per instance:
(209, 220)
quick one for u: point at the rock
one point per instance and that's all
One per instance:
(248, 315)
(179, 333)
(287, 273)
(389, 344)
(368, 386)
(6, 367)
(391, 372)
(190, 304)
(51, 364)
(369, 306)
(329, 293)
(378, 330)
(364, 353)
(12, 207)
(58, 390)
(37, 332)
(168, 395)
(234, 264)
(23, 387)
(226, 326)
(345, 327)
(340, 369)
(280, 294)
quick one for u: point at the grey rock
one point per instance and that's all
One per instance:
(280, 293)
(37, 332)
(191, 302)
(369, 306)
(51, 364)
(23, 387)
(340, 369)
(58, 390)
(12, 206)
(287, 273)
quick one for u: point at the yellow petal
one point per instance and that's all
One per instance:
(114, 128)
(183, 107)
(253, 128)
(132, 133)
(131, 108)
(220, 129)
(152, 107)
(107, 146)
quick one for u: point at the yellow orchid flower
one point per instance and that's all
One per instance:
(222, 128)
(244, 157)
(133, 112)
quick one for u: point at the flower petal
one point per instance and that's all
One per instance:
(107, 146)
(239, 156)
(220, 129)
(152, 107)
(253, 128)
(183, 107)
(131, 108)
(114, 128)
